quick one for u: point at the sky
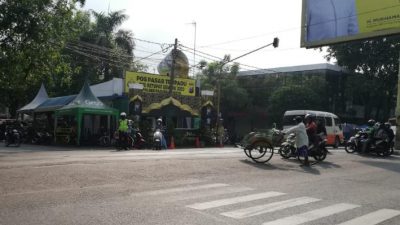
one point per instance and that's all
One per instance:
(222, 27)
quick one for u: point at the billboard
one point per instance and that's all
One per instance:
(326, 22)
(152, 83)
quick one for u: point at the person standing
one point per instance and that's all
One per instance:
(301, 138)
(123, 131)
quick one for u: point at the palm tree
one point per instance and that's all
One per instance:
(121, 42)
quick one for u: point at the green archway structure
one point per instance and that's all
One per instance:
(85, 103)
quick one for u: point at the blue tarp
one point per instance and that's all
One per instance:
(52, 104)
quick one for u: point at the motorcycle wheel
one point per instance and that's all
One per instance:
(261, 152)
(383, 152)
(285, 151)
(320, 155)
(350, 147)
(391, 149)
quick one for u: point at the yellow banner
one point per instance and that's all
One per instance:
(153, 83)
(379, 15)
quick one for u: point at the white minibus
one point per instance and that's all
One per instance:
(332, 124)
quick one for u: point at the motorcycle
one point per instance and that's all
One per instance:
(139, 141)
(42, 138)
(157, 139)
(12, 137)
(288, 148)
(121, 141)
(361, 143)
(318, 152)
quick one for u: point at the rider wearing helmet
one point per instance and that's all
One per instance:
(301, 138)
(123, 130)
(159, 125)
(370, 130)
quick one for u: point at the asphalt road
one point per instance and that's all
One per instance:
(54, 185)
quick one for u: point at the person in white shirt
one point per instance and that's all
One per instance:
(301, 138)
(327, 19)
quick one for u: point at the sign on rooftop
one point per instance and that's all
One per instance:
(326, 22)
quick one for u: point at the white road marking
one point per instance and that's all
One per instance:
(266, 208)
(199, 194)
(235, 200)
(373, 218)
(312, 215)
(179, 189)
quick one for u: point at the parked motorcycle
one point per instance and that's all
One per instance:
(42, 138)
(12, 137)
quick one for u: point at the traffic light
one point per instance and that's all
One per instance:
(276, 42)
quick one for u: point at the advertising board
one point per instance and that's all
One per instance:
(326, 22)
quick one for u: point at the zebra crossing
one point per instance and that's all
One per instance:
(285, 202)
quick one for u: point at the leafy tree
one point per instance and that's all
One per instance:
(32, 35)
(292, 97)
(376, 62)
(233, 96)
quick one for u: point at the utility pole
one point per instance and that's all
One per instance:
(397, 138)
(172, 75)
(194, 49)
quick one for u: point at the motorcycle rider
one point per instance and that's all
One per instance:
(301, 138)
(389, 132)
(160, 126)
(370, 130)
(311, 128)
(123, 131)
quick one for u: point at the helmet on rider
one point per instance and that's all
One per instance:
(387, 125)
(123, 115)
(309, 116)
(298, 119)
(371, 122)
(377, 125)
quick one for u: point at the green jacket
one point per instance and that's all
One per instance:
(123, 125)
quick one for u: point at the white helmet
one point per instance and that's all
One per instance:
(123, 114)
